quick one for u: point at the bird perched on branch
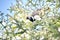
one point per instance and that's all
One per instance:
(38, 14)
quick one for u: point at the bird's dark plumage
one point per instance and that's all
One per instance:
(31, 19)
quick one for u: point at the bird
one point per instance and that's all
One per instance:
(31, 19)
(37, 14)
(34, 16)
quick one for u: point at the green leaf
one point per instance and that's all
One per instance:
(49, 0)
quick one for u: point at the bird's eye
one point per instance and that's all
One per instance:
(27, 18)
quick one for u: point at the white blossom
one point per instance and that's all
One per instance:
(16, 30)
(18, 38)
(0, 35)
(4, 23)
(25, 35)
(9, 29)
(38, 27)
(13, 38)
(59, 29)
(37, 17)
(42, 38)
(20, 30)
(4, 36)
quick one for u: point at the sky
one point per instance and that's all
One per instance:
(5, 4)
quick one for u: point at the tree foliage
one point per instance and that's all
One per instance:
(19, 28)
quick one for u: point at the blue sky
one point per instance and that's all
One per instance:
(5, 4)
